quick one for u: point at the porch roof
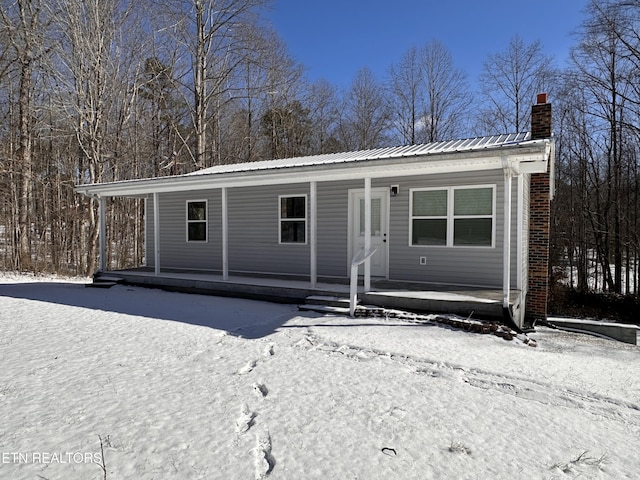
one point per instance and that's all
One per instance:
(515, 151)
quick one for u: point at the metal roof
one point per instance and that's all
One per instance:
(452, 146)
(479, 153)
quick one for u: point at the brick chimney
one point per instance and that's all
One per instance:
(539, 219)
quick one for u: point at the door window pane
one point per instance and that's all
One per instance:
(376, 215)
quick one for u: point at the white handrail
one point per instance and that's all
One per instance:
(357, 260)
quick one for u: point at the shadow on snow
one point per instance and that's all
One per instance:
(239, 317)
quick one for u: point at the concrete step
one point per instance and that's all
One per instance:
(108, 278)
(327, 300)
(328, 309)
(100, 284)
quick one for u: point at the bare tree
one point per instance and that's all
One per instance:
(95, 92)
(210, 33)
(598, 152)
(408, 92)
(366, 116)
(323, 104)
(430, 95)
(24, 23)
(447, 93)
(509, 82)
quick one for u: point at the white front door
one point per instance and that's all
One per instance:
(379, 224)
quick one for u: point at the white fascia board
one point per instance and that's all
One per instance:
(532, 157)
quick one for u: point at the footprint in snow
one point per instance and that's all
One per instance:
(246, 419)
(268, 351)
(263, 458)
(248, 367)
(260, 389)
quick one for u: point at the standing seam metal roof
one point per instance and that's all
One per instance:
(453, 146)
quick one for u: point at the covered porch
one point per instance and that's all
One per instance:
(336, 190)
(413, 296)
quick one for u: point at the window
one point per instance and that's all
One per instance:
(293, 219)
(429, 211)
(197, 221)
(454, 216)
(473, 216)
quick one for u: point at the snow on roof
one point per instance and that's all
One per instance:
(452, 146)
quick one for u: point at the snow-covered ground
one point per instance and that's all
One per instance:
(189, 387)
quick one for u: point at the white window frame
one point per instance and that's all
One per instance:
(206, 220)
(413, 217)
(301, 219)
(451, 217)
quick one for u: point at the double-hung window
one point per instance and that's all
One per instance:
(196, 220)
(453, 216)
(473, 217)
(429, 217)
(292, 218)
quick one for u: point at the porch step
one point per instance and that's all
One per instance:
(326, 304)
(104, 281)
(100, 284)
(108, 278)
(327, 300)
(324, 309)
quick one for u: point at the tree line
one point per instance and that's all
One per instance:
(107, 90)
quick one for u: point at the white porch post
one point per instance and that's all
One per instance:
(506, 279)
(313, 249)
(367, 233)
(102, 232)
(225, 236)
(519, 248)
(156, 234)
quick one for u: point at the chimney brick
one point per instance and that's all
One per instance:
(539, 219)
(541, 118)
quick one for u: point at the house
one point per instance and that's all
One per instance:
(472, 212)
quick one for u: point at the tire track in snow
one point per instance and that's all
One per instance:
(523, 388)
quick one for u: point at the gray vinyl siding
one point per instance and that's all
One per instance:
(175, 250)
(254, 231)
(333, 227)
(454, 265)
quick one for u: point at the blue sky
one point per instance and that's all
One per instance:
(335, 38)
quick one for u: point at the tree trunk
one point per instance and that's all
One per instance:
(25, 156)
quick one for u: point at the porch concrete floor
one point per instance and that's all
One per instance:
(425, 297)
